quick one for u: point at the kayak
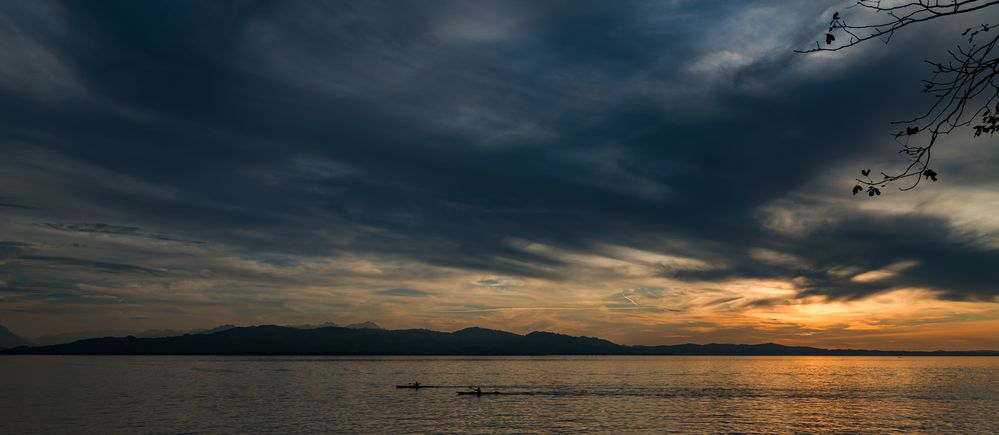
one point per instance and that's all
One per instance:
(476, 393)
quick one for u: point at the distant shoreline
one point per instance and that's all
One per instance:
(269, 340)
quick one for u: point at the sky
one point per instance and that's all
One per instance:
(649, 172)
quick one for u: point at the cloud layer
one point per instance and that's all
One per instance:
(554, 166)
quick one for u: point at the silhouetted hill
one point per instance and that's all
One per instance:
(312, 326)
(219, 328)
(68, 337)
(283, 340)
(558, 344)
(364, 325)
(9, 339)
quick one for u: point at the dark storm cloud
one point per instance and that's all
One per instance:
(444, 131)
(10, 205)
(9, 248)
(928, 254)
(118, 230)
(404, 292)
(101, 266)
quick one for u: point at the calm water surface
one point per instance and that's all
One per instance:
(74, 394)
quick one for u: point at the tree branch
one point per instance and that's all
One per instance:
(964, 88)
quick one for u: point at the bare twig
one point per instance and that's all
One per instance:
(965, 87)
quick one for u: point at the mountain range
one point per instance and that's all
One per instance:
(68, 337)
(334, 340)
(9, 339)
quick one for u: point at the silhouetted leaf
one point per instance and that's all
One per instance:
(856, 189)
(866, 172)
(930, 174)
(911, 130)
(830, 38)
(836, 16)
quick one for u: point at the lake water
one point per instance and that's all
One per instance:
(81, 394)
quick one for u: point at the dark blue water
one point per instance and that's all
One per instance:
(71, 394)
